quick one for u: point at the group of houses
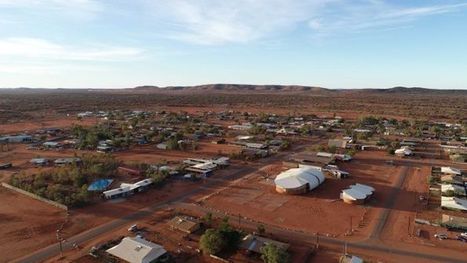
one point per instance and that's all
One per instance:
(453, 186)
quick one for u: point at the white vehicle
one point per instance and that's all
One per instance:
(133, 228)
(441, 236)
(464, 234)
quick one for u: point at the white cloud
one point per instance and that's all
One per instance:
(374, 15)
(44, 49)
(219, 22)
(77, 9)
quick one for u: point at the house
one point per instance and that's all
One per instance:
(67, 161)
(450, 170)
(337, 143)
(39, 161)
(127, 189)
(51, 145)
(357, 194)
(453, 203)
(16, 138)
(254, 243)
(453, 179)
(256, 145)
(403, 151)
(184, 224)
(203, 169)
(453, 189)
(138, 250)
(454, 222)
(242, 127)
(313, 158)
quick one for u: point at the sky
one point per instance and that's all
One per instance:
(328, 43)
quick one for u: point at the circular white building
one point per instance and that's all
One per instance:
(299, 180)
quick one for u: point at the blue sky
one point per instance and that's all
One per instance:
(328, 43)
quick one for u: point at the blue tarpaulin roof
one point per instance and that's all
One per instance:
(100, 184)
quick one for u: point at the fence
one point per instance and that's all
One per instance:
(21, 191)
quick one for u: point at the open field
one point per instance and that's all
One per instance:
(26, 224)
(396, 102)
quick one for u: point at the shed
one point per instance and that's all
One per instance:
(184, 224)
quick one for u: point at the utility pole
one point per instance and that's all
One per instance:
(350, 225)
(408, 226)
(59, 239)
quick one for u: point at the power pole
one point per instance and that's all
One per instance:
(350, 225)
(408, 226)
(59, 239)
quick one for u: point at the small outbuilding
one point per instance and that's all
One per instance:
(184, 224)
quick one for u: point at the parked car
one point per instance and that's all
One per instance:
(464, 234)
(441, 236)
(462, 238)
(133, 228)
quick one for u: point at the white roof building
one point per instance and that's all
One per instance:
(357, 193)
(126, 189)
(456, 189)
(137, 250)
(454, 203)
(450, 170)
(299, 179)
(403, 151)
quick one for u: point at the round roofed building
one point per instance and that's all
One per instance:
(299, 180)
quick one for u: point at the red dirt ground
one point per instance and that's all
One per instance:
(25, 224)
(255, 198)
(59, 122)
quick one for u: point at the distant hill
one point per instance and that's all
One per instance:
(412, 90)
(296, 89)
(238, 88)
(245, 88)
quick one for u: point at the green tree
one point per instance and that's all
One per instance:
(212, 242)
(207, 219)
(273, 254)
(261, 229)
